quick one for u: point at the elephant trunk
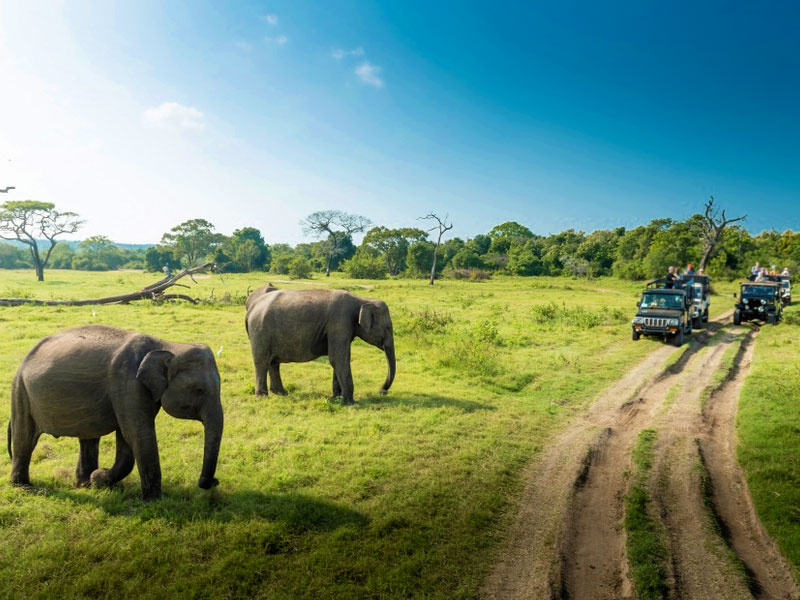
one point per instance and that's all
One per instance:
(389, 349)
(212, 422)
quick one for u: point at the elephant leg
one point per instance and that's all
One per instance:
(275, 383)
(141, 436)
(23, 440)
(339, 356)
(123, 465)
(337, 388)
(87, 461)
(262, 366)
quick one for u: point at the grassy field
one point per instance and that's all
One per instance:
(405, 495)
(768, 426)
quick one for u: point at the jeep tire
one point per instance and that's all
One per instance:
(636, 335)
(737, 317)
(677, 339)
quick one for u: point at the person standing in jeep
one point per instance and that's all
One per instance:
(669, 280)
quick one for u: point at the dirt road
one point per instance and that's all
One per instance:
(568, 540)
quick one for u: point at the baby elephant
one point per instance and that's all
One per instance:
(93, 380)
(301, 325)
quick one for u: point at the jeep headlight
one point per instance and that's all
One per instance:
(760, 309)
(763, 301)
(638, 320)
(674, 322)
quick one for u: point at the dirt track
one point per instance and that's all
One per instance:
(568, 540)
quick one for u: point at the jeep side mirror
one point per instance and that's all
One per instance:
(734, 294)
(638, 303)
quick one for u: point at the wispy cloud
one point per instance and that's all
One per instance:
(339, 53)
(369, 74)
(278, 40)
(271, 19)
(174, 115)
(243, 46)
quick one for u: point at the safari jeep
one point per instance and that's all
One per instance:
(664, 312)
(759, 301)
(699, 291)
(786, 290)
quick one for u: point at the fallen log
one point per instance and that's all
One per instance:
(153, 291)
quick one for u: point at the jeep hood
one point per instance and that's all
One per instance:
(662, 313)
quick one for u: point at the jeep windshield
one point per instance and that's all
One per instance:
(785, 284)
(667, 301)
(758, 291)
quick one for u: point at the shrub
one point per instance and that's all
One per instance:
(471, 274)
(299, 268)
(429, 321)
(365, 266)
(577, 316)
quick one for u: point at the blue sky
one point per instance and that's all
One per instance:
(139, 115)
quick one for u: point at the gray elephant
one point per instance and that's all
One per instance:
(90, 381)
(301, 325)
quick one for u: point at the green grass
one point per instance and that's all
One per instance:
(645, 542)
(402, 496)
(768, 426)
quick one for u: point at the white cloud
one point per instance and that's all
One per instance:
(339, 53)
(279, 40)
(271, 19)
(172, 114)
(243, 46)
(369, 74)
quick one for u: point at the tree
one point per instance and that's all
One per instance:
(157, 257)
(392, 245)
(192, 240)
(442, 227)
(97, 253)
(336, 225)
(715, 224)
(504, 235)
(25, 220)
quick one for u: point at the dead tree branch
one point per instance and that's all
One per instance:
(715, 223)
(442, 227)
(154, 292)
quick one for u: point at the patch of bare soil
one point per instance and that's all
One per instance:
(568, 540)
(769, 576)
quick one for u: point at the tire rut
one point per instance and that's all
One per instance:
(768, 574)
(536, 562)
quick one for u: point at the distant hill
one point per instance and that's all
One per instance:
(74, 244)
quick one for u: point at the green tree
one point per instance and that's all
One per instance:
(28, 221)
(12, 257)
(334, 226)
(299, 268)
(392, 245)
(158, 257)
(505, 234)
(192, 241)
(419, 259)
(97, 253)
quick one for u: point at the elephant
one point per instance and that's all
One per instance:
(301, 325)
(90, 381)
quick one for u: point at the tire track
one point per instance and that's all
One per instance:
(536, 561)
(769, 576)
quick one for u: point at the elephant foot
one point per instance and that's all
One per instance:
(347, 402)
(151, 494)
(101, 479)
(262, 393)
(208, 482)
(83, 482)
(280, 392)
(383, 391)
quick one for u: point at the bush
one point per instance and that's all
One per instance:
(299, 268)
(553, 314)
(471, 274)
(365, 266)
(429, 321)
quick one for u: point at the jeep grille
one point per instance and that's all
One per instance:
(654, 322)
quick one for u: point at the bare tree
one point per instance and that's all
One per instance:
(442, 227)
(336, 225)
(715, 223)
(27, 220)
(5, 190)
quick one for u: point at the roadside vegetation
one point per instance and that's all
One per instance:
(404, 495)
(768, 426)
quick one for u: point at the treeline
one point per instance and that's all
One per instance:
(509, 248)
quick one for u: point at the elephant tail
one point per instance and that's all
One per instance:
(9, 440)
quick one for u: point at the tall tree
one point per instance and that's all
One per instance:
(392, 245)
(715, 223)
(192, 240)
(336, 225)
(29, 221)
(442, 227)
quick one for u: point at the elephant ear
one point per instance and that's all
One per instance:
(154, 372)
(366, 316)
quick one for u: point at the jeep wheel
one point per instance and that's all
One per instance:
(677, 339)
(771, 320)
(705, 315)
(697, 322)
(737, 317)
(636, 335)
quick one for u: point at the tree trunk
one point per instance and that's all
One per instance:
(706, 256)
(433, 267)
